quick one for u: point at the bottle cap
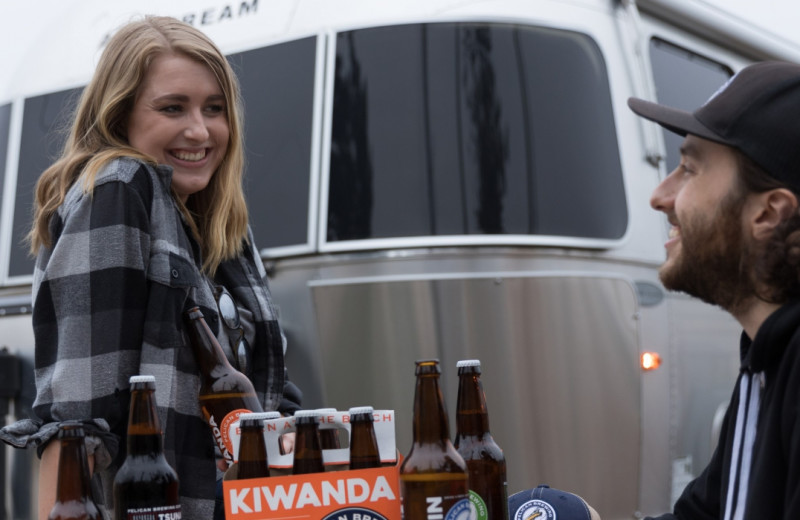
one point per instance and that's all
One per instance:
(306, 413)
(70, 428)
(361, 409)
(260, 416)
(326, 410)
(469, 363)
(427, 366)
(142, 379)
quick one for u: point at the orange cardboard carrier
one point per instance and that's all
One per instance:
(337, 494)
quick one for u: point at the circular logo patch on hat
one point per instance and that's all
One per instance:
(535, 510)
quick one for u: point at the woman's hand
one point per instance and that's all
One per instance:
(287, 441)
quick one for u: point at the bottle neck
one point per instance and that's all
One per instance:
(307, 438)
(430, 415)
(363, 441)
(207, 351)
(472, 416)
(362, 431)
(252, 445)
(73, 471)
(144, 427)
(307, 450)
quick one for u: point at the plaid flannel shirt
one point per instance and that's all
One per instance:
(108, 302)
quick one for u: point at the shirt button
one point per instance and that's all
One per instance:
(174, 273)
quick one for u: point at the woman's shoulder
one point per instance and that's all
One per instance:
(140, 179)
(127, 169)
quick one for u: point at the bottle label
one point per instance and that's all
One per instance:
(437, 509)
(479, 505)
(172, 512)
(226, 432)
(461, 510)
(354, 513)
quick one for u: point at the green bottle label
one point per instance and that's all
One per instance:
(479, 506)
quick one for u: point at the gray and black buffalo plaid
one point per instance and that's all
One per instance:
(108, 303)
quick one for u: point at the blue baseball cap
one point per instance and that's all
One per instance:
(546, 503)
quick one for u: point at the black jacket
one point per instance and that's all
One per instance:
(767, 482)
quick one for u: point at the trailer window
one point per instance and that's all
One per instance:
(685, 80)
(278, 89)
(44, 129)
(472, 128)
(5, 122)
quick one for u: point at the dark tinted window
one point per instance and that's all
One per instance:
(278, 89)
(5, 122)
(683, 80)
(452, 129)
(44, 128)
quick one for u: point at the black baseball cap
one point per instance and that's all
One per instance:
(757, 111)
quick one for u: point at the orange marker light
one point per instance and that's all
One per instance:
(650, 360)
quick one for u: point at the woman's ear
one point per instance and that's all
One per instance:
(769, 209)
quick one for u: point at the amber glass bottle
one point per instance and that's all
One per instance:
(433, 477)
(328, 437)
(73, 493)
(253, 460)
(145, 486)
(225, 393)
(485, 460)
(307, 445)
(363, 444)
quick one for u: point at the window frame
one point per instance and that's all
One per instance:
(431, 241)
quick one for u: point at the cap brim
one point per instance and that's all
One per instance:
(675, 120)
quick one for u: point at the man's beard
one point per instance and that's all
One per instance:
(713, 261)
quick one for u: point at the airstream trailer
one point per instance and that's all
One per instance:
(451, 179)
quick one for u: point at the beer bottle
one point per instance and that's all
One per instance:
(433, 477)
(253, 461)
(307, 445)
(363, 445)
(225, 393)
(73, 493)
(145, 486)
(328, 437)
(485, 460)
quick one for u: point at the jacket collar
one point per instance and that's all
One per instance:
(771, 339)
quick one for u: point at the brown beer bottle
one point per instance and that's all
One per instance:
(433, 477)
(485, 460)
(253, 461)
(307, 445)
(225, 393)
(328, 437)
(73, 493)
(363, 445)
(145, 486)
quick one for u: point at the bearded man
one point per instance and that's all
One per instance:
(734, 242)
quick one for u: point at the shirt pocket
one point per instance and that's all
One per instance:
(171, 278)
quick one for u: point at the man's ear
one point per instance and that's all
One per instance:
(769, 209)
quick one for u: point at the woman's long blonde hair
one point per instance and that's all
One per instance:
(218, 214)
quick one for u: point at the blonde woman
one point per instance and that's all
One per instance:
(141, 218)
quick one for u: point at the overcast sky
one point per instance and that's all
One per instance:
(18, 20)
